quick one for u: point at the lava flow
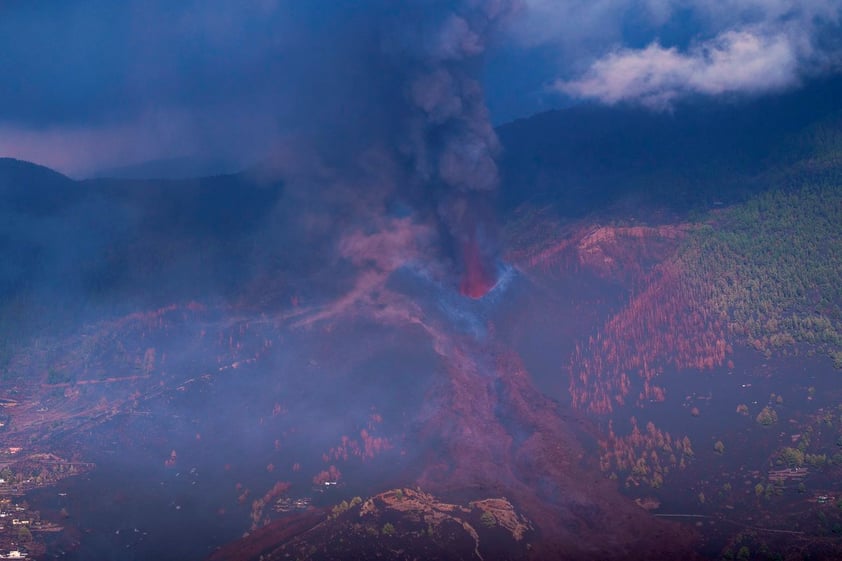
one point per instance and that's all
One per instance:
(479, 276)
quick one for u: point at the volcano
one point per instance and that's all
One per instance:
(379, 381)
(223, 368)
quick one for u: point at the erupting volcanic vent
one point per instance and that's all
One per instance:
(479, 274)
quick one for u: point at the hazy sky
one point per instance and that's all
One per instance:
(94, 84)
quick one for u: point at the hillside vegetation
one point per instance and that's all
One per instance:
(772, 268)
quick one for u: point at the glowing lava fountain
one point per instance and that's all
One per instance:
(479, 275)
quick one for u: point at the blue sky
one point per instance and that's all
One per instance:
(96, 84)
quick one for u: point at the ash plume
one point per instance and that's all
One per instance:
(426, 141)
(449, 138)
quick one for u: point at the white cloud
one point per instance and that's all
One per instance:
(749, 46)
(735, 61)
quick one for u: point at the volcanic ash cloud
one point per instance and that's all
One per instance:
(396, 119)
(445, 137)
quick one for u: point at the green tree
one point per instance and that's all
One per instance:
(792, 457)
(24, 534)
(388, 529)
(816, 460)
(488, 519)
(339, 509)
(767, 416)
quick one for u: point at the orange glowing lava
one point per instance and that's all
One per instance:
(479, 276)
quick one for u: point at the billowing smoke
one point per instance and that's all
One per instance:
(449, 138)
(413, 123)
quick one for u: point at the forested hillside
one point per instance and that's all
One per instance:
(773, 268)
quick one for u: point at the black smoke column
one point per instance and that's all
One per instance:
(391, 110)
(447, 138)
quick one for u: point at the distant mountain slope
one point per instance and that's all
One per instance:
(67, 243)
(33, 189)
(585, 157)
(170, 168)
